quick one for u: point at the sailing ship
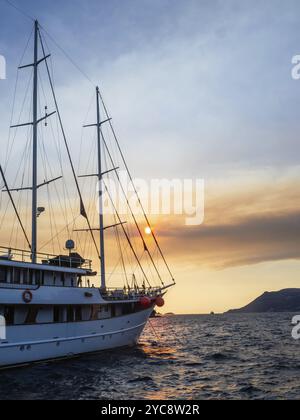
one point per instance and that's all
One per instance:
(50, 306)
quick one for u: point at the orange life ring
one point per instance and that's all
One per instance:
(27, 296)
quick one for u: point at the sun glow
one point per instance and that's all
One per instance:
(148, 230)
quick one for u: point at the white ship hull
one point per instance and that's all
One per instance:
(64, 321)
(28, 344)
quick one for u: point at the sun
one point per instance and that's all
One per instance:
(148, 230)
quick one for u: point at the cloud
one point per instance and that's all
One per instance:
(248, 220)
(213, 76)
(250, 240)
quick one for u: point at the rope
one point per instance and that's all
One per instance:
(68, 149)
(19, 10)
(136, 192)
(128, 239)
(132, 214)
(69, 58)
(66, 196)
(14, 206)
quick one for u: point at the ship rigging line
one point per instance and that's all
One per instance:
(83, 212)
(116, 140)
(19, 10)
(10, 146)
(31, 18)
(118, 240)
(132, 214)
(14, 206)
(127, 237)
(68, 57)
(136, 192)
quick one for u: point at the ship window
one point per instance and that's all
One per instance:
(17, 276)
(63, 278)
(78, 314)
(3, 275)
(25, 276)
(57, 314)
(31, 315)
(9, 315)
(70, 314)
(113, 311)
(127, 309)
(86, 313)
(38, 277)
(34, 277)
(95, 312)
(79, 282)
(42, 278)
(30, 277)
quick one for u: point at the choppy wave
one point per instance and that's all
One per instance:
(190, 357)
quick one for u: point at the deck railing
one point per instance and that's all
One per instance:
(130, 293)
(20, 255)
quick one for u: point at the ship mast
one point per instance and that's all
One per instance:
(100, 190)
(34, 146)
(34, 123)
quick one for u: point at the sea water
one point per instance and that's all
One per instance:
(179, 357)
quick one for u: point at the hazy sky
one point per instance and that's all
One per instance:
(199, 89)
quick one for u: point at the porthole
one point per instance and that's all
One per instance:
(22, 348)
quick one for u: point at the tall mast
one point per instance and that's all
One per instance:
(34, 123)
(100, 187)
(34, 146)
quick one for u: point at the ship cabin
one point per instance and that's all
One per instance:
(28, 288)
(60, 270)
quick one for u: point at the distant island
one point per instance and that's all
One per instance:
(156, 314)
(287, 300)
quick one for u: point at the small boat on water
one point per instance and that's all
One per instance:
(55, 304)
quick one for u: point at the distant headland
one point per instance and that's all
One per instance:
(287, 300)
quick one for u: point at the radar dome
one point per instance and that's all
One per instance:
(70, 244)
